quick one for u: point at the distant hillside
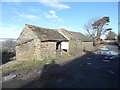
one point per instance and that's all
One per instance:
(7, 48)
(7, 43)
(5, 39)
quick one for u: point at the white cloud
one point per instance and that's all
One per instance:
(28, 16)
(24, 15)
(51, 11)
(52, 14)
(60, 20)
(54, 4)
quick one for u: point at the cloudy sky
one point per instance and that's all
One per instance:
(69, 15)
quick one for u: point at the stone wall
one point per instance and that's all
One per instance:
(28, 51)
(25, 36)
(48, 50)
(88, 46)
(28, 46)
(76, 46)
(36, 50)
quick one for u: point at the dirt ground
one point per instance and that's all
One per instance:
(87, 71)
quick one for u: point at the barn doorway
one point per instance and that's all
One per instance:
(58, 45)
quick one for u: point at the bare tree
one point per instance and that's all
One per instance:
(96, 28)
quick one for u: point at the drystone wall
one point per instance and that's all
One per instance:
(48, 50)
(26, 35)
(88, 46)
(28, 51)
(76, 46)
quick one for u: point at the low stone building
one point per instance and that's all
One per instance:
(35, 43)
(77, 41)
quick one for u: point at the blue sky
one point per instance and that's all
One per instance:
(69, 15)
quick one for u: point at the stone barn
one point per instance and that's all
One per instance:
(37, 43)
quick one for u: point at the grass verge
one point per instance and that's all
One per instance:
(25, 65)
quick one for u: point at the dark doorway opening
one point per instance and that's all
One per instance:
(58, 45)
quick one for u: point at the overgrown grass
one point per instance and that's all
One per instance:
(26, 65)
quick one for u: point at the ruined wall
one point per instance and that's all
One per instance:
(36, 50)
(28, 51)
(48, 50)
(25, 51)
(28, 46)
(26, 35)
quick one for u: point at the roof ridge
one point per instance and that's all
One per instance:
(73, 31)
(30, 26)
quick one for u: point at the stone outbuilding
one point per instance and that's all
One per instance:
(36, 43)
(77, 41)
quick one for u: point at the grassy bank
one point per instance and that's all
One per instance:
(25, 65)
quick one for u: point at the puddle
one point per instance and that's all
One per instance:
(100, 52)
(103, 53)
(104, 48)
(108, 53)
(112, 53)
